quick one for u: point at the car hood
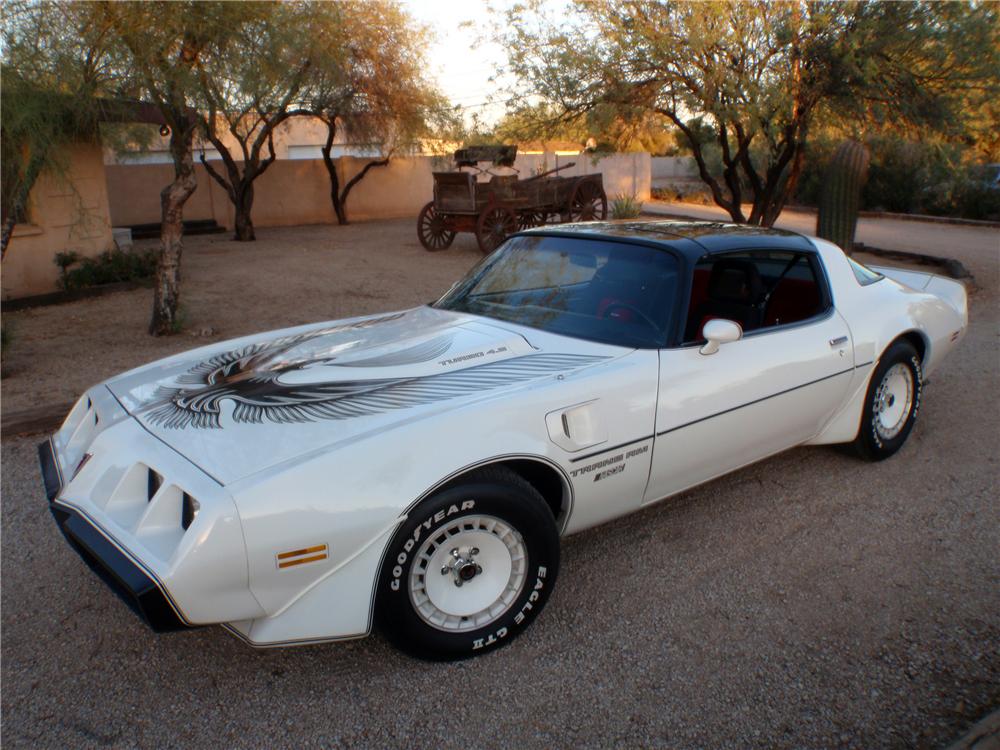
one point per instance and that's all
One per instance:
(242, 406)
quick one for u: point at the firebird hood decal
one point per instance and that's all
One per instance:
(263, 397)
(300, 378)
(238, 407)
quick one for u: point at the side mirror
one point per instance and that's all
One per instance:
(719, 332)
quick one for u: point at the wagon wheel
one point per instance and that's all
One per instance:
(529, 219)
(589, 203)
(494, 226)
(432, 229)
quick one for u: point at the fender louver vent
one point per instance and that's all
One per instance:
(189, 509)
(153, 483)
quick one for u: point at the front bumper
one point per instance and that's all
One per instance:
(130, 581)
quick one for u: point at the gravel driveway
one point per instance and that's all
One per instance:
(808, 601)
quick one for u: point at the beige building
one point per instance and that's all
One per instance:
(76, 211)
(66, 212)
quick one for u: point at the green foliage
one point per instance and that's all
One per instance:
(64, 260)
(34, 126)
(756, 76)
(603, 125)
(625, 206)
(367, 78)
(907, 176)
(54, 66)
(968, 198)
(109, 267)
(368, 74)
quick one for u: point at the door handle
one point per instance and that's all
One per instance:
(839, 341)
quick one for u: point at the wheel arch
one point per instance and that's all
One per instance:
(914, 337)
(544, 475)
(845, 426)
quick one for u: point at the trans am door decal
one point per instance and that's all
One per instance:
(251, 379)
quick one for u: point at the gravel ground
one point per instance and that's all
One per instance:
(289, 276)
(811, 600)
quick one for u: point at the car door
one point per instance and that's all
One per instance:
(772, 389)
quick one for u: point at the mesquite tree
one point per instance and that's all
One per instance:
(250, 91)
(163, 46)
(756, 74)
(368, 83)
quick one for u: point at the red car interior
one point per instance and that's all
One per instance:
(733, 289)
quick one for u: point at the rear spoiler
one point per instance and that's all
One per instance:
(950, 291)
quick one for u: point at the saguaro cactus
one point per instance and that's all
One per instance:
(840, 199)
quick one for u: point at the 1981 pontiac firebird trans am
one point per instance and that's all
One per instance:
(416, 470)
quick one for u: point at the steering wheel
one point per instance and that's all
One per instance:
(632, 309)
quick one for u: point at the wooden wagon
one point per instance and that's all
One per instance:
(496, 207)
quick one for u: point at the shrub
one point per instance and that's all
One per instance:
(688, 191)
(977, 200)
(64, 261)
(907, 177)
(107, 268)
(625, 206)
(901, 174)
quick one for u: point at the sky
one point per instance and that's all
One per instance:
(460, 60)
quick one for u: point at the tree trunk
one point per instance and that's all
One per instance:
(354, 181)
(243, 221)
(166, 296)
(19, 202)
(331, 170)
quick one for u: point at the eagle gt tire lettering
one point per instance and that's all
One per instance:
(469, 569)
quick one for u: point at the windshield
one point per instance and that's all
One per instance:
(611, 292)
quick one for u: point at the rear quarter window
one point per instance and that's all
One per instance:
(864, 274)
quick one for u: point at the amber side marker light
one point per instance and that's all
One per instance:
(300, 556)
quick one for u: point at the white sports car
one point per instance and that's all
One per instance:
(416, 470)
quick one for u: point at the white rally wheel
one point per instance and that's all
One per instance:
(468, 574)
(893, 401)
(469, 568)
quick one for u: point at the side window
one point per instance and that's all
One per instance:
(757, 289)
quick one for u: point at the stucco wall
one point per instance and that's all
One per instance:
(68, 212)
(297, 191)
(673, 170)
(78, 213)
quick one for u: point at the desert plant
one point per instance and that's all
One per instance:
(841, 196)
(107, 268)
(760, 75)
(625, 206)
(64, 260)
